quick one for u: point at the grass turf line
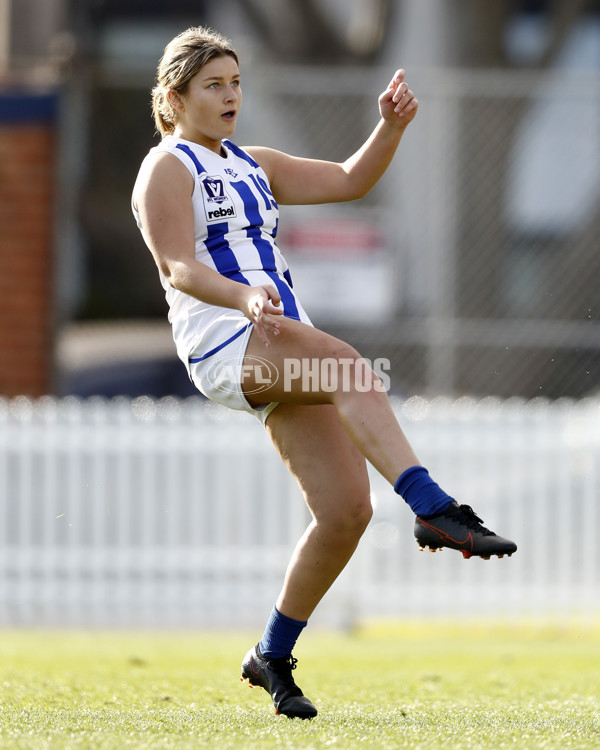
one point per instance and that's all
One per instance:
(413, 685)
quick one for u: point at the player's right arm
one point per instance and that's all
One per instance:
(163, 197)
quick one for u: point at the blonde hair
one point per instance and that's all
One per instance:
(183, 57)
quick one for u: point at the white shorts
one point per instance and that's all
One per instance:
(218, 375)
(215, 365)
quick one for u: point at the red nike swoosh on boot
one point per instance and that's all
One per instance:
(254, 669)
(468, 538)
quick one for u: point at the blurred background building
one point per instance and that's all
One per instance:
(474, 266)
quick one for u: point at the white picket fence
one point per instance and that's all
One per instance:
(177, 513)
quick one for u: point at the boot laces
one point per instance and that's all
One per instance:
(283, 667)
(472, 521)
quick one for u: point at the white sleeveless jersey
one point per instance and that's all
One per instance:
(235, 224)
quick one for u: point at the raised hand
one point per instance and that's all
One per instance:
(398, 104)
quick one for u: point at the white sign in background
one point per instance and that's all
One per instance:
(342, 269)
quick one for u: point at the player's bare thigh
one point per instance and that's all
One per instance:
(296, 344)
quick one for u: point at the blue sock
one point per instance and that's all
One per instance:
(425, 497)
(280, 635)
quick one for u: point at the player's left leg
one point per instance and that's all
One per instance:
(365, 413)
(332, 475)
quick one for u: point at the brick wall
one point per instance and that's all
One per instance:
(27, 166)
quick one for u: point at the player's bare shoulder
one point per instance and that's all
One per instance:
(161, 170)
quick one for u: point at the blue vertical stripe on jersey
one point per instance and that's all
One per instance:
(222, 255)
(187, 150)
(266, 187)
(265, 249)
(262, 193)
(255, 222)
(250, 204)
(290, 309)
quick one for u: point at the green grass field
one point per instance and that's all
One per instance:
(414, 685)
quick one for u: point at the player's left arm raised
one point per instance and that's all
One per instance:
(295, 180)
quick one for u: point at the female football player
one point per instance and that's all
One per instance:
(208, 211)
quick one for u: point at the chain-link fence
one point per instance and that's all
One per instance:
(474, 265)
(491, 210)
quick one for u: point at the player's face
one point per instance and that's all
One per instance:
(208, 111)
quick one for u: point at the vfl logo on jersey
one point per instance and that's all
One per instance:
(217, 201)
